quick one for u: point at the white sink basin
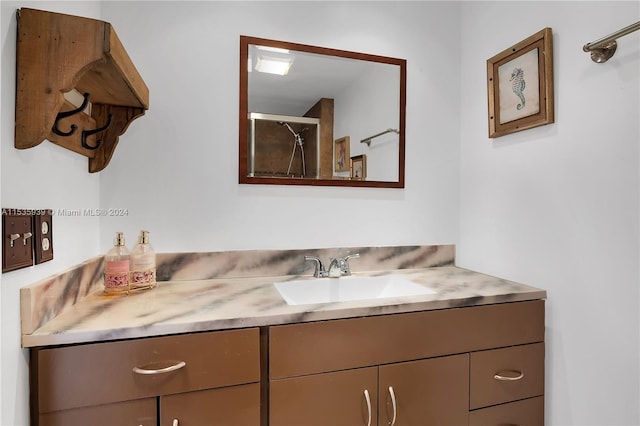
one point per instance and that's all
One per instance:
(325, 290)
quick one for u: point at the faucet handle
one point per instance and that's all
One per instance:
(345, 264)
(319, 271)
(351, 256)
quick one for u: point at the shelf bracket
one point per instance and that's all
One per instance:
(57, 53)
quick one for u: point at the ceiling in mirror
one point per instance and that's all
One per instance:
(318, 116)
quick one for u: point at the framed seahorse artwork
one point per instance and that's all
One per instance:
(520, 85)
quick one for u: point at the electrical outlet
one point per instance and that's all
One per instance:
(17, 239)
(42, 235)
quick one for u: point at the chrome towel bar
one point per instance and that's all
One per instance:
(368, 140)
(603, 49)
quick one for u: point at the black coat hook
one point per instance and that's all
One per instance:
(86, 133)
(66, 114)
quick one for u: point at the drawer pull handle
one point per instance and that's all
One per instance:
(366, 396)
(175, 422)
(511, 375)
(168, 369)
(393, 403)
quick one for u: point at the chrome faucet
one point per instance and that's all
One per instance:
(319, 271)
(339, 267)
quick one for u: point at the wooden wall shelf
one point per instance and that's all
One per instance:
(57, 53)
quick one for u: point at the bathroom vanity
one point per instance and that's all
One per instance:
(428, 367)
(230, 351)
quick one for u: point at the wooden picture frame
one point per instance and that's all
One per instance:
(520, 85)
(341, 154)
(359, 167)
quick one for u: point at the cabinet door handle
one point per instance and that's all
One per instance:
(393, 404)
(175, 422)
(168, 369)
(366, 397)
(509, 375)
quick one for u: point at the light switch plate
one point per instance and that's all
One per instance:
(42, 235)
(17, 239)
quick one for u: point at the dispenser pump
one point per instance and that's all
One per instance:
(144, 237)
(118, 241)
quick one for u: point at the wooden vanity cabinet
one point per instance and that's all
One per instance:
(144, 381)
(431, 367)
(476, 366)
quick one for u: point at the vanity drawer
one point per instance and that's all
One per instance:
(101, 373)
(528, 412)
(315, 347)
(142, 412)
(508, 374)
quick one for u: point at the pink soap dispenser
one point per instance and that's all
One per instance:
(116, 271)
(143, 264)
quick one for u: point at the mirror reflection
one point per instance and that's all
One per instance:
(317, 116)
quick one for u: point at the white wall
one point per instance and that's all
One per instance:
(175, 169)
(557, 206)
(361, 112)
(43, 177)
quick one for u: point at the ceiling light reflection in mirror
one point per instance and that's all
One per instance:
(270, 60)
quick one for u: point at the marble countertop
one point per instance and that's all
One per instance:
(215, 304)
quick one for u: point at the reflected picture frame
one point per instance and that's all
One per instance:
(341, 155)
(520, 85)
(359, 167)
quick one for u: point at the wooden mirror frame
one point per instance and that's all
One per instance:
(243, 177)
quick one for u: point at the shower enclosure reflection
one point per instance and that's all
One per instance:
(283, 146)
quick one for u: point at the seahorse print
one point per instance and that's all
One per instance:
(517, 85)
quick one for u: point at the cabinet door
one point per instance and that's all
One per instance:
(336, 399)
(141, 412)
(230, 406)
(426, 392)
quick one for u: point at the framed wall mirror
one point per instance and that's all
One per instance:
(300, 103)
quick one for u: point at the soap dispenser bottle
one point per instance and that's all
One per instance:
(143, 264)
(116, 275)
